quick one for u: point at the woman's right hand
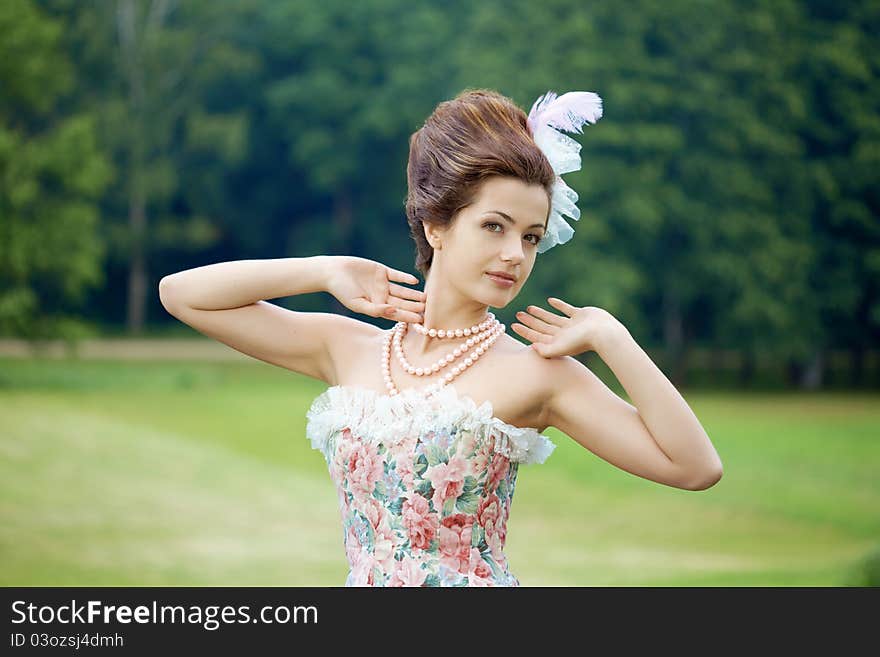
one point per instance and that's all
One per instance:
(366, 287)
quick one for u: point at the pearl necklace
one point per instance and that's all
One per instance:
(486, 332)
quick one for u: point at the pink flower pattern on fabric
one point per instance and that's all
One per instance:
(447, 480)
(420, 522)
(364, 468)
(424, 492)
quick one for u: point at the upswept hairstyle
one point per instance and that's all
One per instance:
(478, 134)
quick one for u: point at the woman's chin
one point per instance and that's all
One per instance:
(497, 300)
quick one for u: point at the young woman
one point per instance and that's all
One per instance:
(423, 426)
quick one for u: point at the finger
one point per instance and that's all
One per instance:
(416, 307)
(360, 306)
(530, 334)
(406, 292)
(399, 315)
(402, 276)
(547, 316)
(401, 311)
(567, 308)
(366, 306)
(535, 323)
(545, 350)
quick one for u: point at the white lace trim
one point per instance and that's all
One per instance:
(388, 419)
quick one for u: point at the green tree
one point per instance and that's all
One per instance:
(155, 71)
(52, 174)
(345, 107)
(837, 70)
(696, 190)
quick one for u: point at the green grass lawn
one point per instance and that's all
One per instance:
(139, 473)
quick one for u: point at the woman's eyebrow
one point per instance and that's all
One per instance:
(507, 216)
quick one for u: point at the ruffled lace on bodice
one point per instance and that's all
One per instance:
(425, 483)
(388, 419)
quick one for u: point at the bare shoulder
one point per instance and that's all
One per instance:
(350, 337)
(546, 377)
(537, 376)
(565, 374)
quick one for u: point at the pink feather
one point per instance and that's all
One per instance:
(567, 112)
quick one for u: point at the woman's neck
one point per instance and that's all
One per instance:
(445, 309)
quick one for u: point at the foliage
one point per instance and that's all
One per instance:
(52, 175)
(728, 196)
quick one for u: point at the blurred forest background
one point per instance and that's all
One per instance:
(729, 195)
(730, 206)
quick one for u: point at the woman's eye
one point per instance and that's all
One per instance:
(535, 242)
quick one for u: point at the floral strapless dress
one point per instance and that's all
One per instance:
(424, 484)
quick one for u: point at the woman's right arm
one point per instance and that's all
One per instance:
(238, 283)
(227, 301)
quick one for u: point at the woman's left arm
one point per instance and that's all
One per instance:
(659, 438)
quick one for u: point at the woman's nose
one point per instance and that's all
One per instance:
(513, 254)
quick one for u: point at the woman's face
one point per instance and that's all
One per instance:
(481, 239)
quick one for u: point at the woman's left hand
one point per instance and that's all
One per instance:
(577, 331)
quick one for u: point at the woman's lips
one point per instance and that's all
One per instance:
(500, 280)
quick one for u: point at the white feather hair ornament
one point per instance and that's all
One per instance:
(549, 115)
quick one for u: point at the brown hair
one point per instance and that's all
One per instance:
(478, 134)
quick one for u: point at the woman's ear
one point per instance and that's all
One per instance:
(432, 234)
